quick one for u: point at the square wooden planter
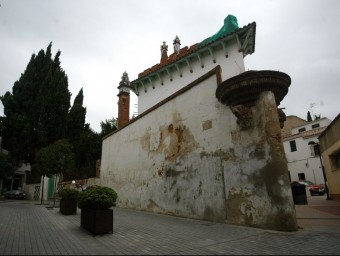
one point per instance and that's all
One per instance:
(97, 221)
(68, 206)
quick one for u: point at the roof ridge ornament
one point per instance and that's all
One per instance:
(124, 84)
(125, 79)
(177, 45)
(164, 47)
(164, 52)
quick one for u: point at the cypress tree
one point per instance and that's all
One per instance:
(76, 118)
(35, 112)
(309, 117)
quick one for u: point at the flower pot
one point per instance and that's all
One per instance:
(68, 206)
(97, 221)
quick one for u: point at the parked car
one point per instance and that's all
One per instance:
(314, 189)
(15, 194)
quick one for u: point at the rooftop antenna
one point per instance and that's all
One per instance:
(311, 107)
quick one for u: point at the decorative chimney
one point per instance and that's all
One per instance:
(124, 100)
(177, 45)
(164, 53)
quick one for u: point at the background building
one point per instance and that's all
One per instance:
(303, 159)
(329, 141)
(18, 179)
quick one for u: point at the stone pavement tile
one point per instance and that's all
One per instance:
(319, 215)
(28, 229)
(331, 209)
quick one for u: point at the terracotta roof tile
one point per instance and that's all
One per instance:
(188, 50)
(172, 58)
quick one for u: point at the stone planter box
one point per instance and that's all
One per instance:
(97, 221)
(68, 206)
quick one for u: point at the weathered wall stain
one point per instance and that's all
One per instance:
(171, 173)
(202, 164)
(206, 125)
(228, 155)
(175, 140)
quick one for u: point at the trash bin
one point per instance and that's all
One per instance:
(299, 193)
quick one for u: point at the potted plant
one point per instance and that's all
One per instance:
(68, 201)
(96, 213)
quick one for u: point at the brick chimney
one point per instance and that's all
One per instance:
(164, 53)
(124, 101)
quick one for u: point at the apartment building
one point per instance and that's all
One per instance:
(303, 158)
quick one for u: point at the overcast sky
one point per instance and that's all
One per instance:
(101, 39)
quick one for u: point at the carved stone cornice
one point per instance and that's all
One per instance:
(246, 87)
(242, 91)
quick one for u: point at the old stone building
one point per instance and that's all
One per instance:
(207, 141)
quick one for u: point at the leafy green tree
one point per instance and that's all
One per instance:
(108, 126)
(57, 158)
(316, 117)
(86, 143)
(76, 118)
(87, 151)
(35, 113)
(54, 102)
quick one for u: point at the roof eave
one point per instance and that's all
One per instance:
(246, 41)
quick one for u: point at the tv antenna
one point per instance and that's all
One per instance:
(312, 106)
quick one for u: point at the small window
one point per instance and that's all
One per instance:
(302, 129)
(301, 176)
(335, 161)
(316, 150)
(315, 126)
(292, 146)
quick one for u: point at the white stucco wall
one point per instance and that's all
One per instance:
(231, 66)
(143, 160)
(189, 158)
(323, 122)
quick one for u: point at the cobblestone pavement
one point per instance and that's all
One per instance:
(29, 228)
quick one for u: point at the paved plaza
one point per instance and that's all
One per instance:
(29, 228)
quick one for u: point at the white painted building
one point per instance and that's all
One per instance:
(186, 64)
(156, 88)
(303, 159)
(206, 143)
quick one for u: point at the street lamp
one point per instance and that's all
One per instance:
(322, 167)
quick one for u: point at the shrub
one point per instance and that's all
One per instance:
(97, 197)
(69, 193)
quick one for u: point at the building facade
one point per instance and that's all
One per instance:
(18, 179)
(207, 141)
(303, 158)
(329, 141)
